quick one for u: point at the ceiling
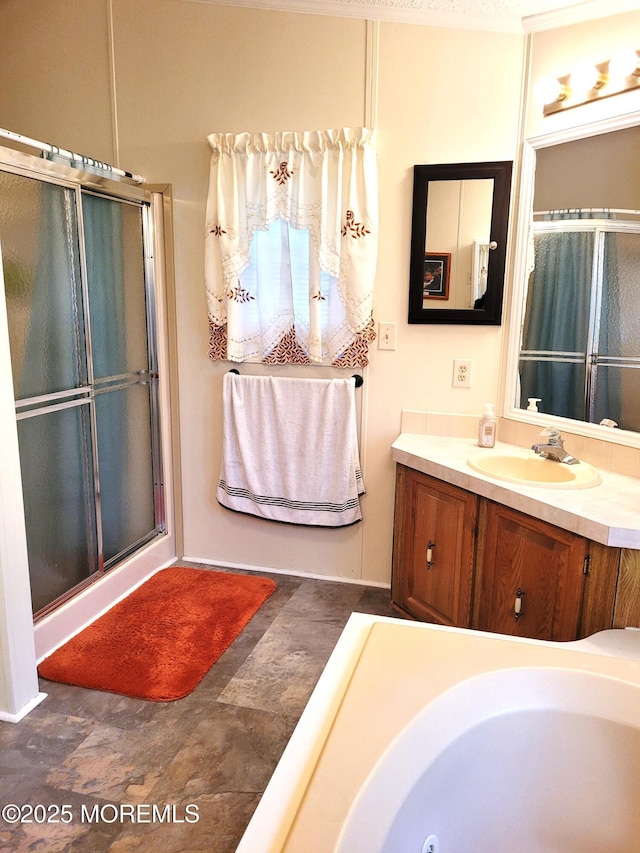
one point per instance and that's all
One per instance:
(499, 15)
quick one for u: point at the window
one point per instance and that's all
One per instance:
(291, 245)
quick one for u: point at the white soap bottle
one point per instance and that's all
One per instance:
(487, 427)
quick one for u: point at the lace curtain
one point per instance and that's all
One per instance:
(287, 211)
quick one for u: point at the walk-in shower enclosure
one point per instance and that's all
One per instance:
(78, 264)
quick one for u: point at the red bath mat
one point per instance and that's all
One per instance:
(160, 641)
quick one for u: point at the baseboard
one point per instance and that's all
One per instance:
(296, 574)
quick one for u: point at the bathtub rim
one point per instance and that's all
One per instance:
(274, 816)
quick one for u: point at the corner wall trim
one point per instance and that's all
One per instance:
(372, 67)
(22, 713)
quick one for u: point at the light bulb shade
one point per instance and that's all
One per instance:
(624, 63)
(584, 78)
(549, 90)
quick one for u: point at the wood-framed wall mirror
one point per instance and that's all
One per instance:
(458, 242)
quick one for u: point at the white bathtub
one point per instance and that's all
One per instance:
(422, 738)
(522, 760)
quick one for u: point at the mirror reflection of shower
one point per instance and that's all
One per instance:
(578, 346)
(579, 352)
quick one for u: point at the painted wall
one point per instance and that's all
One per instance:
(175, 71)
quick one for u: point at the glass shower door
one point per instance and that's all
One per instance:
(122, 372)
(41, 250)
(78, 272)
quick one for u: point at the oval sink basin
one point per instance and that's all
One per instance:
(531, 470)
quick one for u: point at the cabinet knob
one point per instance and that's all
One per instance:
(431, 545)
(517, 608)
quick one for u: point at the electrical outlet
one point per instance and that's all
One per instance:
(462, 373)
(386, 335)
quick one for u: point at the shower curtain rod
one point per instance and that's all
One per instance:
(69, 155)
(590, 209)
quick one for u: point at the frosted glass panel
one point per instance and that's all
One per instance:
(617, 396)
(115, 272)
(39, 236)
(118, 320)
(620, 321)
(124, 459)
(57, 483)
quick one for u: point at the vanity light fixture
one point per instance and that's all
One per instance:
(590, 82)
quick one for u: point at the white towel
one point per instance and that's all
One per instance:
(290, 450)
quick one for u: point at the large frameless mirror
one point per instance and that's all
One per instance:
(458, 242)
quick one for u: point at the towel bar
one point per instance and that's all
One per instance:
(356, 376)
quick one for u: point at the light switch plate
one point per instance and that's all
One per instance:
(386, 335)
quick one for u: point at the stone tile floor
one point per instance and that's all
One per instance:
(109, 760)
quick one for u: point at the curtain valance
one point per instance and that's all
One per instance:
(321, 182)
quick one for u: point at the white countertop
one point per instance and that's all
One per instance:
(608, 513)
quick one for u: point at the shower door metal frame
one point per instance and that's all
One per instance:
(80, 182)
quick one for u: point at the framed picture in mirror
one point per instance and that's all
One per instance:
(435, 283)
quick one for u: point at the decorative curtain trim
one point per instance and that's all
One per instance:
(324, 182)
(289, 351)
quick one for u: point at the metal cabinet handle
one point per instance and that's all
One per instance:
(430, 547)
(517, 608)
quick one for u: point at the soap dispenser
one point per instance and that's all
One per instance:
(487, 427)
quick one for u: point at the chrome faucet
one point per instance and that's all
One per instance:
(554, 448)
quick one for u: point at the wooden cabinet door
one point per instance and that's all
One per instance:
(433, 549)
(528, 565)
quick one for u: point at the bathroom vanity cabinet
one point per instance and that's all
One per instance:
(466, 561)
